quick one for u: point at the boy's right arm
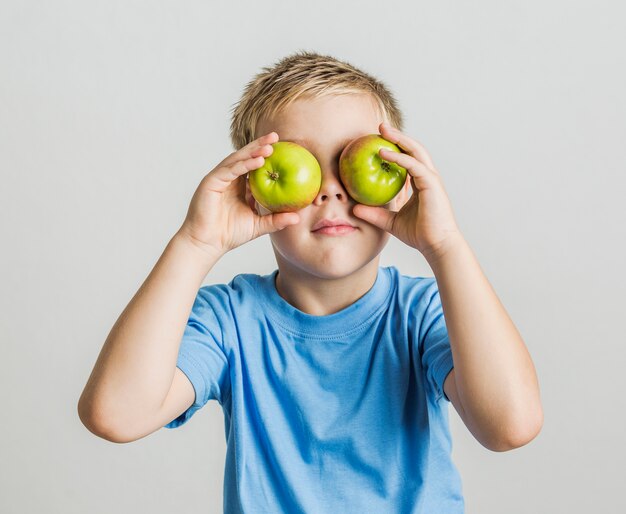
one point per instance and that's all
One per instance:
(135, 387)
(135, 383)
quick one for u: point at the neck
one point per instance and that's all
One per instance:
(321, 296)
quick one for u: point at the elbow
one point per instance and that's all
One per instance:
(518, 434)
(103, 432)
(94, 423)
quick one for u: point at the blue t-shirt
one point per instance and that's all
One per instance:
(343, 413)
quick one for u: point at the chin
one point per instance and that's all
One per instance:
(326, 266)
(337, 272)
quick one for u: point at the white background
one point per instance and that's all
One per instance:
(112, 112)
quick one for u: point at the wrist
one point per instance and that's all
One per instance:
(205, 252)
(444, 250)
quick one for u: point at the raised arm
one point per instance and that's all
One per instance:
(129, 393)
(135, 369)
(494, 384)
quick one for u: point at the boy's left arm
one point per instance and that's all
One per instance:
(493, 385)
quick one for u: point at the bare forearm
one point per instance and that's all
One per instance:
(136, 365)
(495, 376)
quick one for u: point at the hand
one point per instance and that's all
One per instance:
(220, 218)
(426, 221)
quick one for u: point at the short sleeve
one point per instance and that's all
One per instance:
(201, 356)
(435, 344)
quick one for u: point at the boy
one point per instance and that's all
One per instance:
(334, 374)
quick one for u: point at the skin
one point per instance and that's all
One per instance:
(319, 274)
(135, 387)
(493, 385)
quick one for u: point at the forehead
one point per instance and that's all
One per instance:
(324, 121)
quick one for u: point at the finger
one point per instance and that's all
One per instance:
(378, 216)
(408, 144)
(260, 146)
(220, 178)
(421, 173)
(276, 221)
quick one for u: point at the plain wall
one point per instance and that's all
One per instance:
(112, 112)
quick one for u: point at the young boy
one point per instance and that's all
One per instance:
(334, 374)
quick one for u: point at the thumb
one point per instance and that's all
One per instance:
(377, 216)
(277, 221)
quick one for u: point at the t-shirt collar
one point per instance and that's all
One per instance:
(338, 324)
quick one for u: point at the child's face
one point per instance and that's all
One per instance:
(324, 126)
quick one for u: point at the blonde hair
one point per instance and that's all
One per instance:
(304, 74)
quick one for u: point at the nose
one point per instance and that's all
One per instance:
(332, 188)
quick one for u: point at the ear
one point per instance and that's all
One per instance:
(250, 200)
(256, 207)
(403, 195)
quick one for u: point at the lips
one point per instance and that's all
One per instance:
(336, 222)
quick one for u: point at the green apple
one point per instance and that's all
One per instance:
(368, 178)
(289, 179)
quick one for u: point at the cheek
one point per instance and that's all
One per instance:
(374, 237)
(292, 236)
(378, 235)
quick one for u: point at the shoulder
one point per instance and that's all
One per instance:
(242, 289)
(413, 290)
(417, 300)
(243, 282)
